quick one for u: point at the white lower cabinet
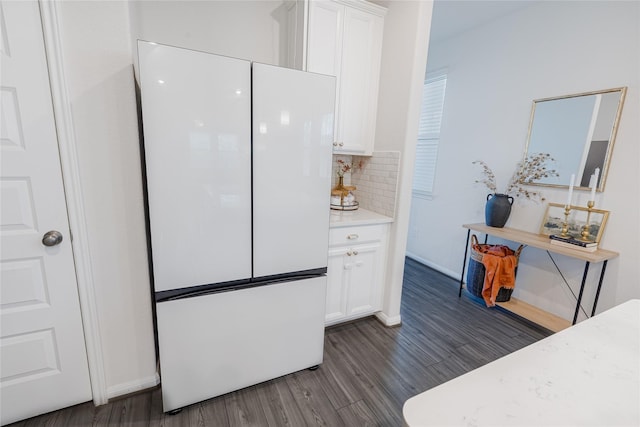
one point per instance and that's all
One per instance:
(356, 270)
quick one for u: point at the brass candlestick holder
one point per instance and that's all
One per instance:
(584, 235)
(565, 224)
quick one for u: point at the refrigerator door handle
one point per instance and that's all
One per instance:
(207, 290)
(202, 292)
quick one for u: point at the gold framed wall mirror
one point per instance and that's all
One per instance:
(579, 132)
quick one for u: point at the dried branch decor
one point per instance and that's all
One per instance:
(533, 168)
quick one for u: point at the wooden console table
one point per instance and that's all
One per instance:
(542, 242)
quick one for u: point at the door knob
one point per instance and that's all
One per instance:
(52, 238)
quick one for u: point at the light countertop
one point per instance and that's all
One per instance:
(357, 217)
(588, 374)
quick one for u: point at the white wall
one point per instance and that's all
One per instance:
(404, 53)
(495, 71)
(97, 62)
(248, 29)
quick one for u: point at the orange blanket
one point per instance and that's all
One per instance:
(500, 264)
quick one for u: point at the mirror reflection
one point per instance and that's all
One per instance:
(578, 131)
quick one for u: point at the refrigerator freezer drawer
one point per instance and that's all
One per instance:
(218, 343)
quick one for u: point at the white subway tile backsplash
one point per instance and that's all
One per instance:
(376, 181)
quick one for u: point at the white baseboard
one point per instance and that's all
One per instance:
(133, 386)
(453, 274)
(388, 320)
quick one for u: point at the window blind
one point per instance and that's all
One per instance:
(431, 110)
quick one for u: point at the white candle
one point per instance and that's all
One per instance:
(595, 185)
(573, 179)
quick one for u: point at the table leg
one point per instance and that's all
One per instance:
(584, 279)
(464, 262)
(595, 301)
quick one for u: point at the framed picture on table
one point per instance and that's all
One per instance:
(554, 218)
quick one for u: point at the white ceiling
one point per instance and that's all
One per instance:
(452, 17)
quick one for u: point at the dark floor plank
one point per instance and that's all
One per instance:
(101, 414)
(339, 390)
(279, 405)
(212, 412)
(405, 362)
(368, 372)
(155, 413)
(180, 419)
(118, 413)
(371, 382)
(52, 419)
(384, 359)
(132, 411)
(313, 402)
(358, 414)
(244, 408)
(83, 415)
(157, 418)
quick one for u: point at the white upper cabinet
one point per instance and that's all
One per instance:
(345, 40)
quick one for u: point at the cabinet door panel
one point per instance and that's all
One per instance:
(361, 50)
(325, 37)
(324, 46)
(364, 277)
(337, 277)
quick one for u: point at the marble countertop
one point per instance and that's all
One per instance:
(588, 374)
(357, 217)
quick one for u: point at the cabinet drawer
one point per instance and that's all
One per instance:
(354, 235)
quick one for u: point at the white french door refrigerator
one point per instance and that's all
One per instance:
(238, 164)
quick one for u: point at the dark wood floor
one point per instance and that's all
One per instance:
(368, 372)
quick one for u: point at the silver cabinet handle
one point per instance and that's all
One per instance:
(352, 236)
(349, 253)
(335, 144)
(341, 144)
(52, 238)
(355, 252)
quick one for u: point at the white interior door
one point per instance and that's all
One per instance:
(42, 349)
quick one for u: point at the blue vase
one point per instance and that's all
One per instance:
(497, 210)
